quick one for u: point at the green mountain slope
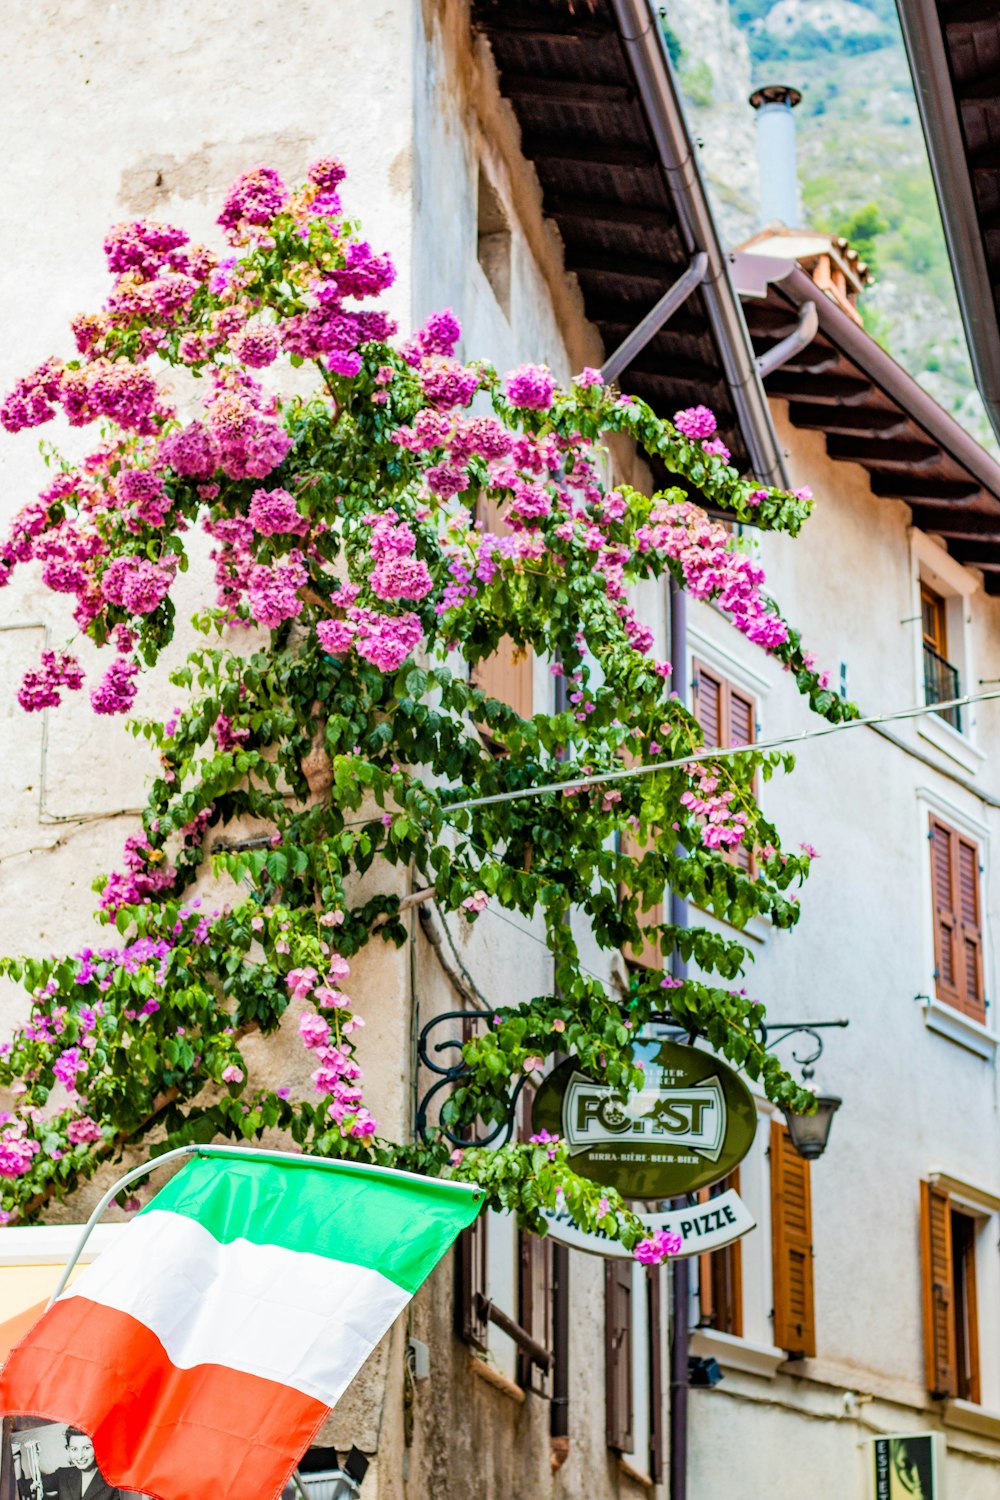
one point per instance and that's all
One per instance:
(861, 149)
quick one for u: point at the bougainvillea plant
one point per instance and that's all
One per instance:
(331, 705)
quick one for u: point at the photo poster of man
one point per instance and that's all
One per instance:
(907, 1467)
(52, 1461)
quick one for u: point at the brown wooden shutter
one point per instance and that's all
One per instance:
(728, 717)
(618, 1353)
(709, 693)
(791, 1246)
(938, 1291)
(654, 1309)
(958, 947)
(507, 674)
(971, 946)
(471, 1288)
(943, 896)
(720, 1274)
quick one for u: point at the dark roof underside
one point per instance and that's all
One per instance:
(867, 424)
(568, 80)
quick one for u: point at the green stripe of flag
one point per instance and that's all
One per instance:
(395, 1223)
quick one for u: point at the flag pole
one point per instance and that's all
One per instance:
(113, 1191)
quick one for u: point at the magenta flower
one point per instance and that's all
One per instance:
(531, 387)
(661, 1244)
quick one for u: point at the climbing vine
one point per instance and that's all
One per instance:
(327, 724)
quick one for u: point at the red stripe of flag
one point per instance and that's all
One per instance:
(157, 1429)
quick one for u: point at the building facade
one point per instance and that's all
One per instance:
(527, 164)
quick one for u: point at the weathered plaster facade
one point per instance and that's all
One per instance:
(113, 111)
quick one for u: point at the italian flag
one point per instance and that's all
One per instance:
(204, 1350)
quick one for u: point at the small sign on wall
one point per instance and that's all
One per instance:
(908, 1467)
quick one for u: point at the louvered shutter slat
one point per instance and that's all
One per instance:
(937, 1269)
(971, 938)
(943, 893)
(791, 1218)
(708, 707)
(618, 1354)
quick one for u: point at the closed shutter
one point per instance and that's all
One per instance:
(618, 1353)
(654, 1308)
(507, 674)
(720, 1274)
(958, 955)
(709, 693)
(791, 1227)
(938, 1291)
(971, 947)
(943, 891)
(741, 732)
(727, 716)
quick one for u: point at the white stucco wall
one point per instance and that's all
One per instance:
(914, 1100)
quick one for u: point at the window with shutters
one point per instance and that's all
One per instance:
(948, 1235)
(958, 938)
(791, 1247)
(728, 717)
(720, 1275)
(507, 674)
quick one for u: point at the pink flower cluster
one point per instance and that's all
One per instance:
(338, 1074)
(116, 691)
(136, 584)
(661, 1244)
(241, 434)
(17, 1148)
(140, 881)
(531, 387)
(397, 574)
(40, 687)
(123, 392)
(384, 640)
(713, 570)
(722, 828)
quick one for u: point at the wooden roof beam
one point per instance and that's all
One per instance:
(911, 452)
(980, 554)
(854, 419)
(538, 146)
(603, 211)
(581, 92)
(916, 488)
(948, 522)
(818, 388)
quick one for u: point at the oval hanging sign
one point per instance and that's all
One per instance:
(688, 1127)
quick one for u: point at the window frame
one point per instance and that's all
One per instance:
(949, 1281)
(935, 569)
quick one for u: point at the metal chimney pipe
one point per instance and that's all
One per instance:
(776, 155)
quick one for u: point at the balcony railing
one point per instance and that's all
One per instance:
(941, 684)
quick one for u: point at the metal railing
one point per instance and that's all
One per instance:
(941, 684)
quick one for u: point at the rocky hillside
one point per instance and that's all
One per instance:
(862, 164)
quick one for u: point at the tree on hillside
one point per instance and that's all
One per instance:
(328, 705)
